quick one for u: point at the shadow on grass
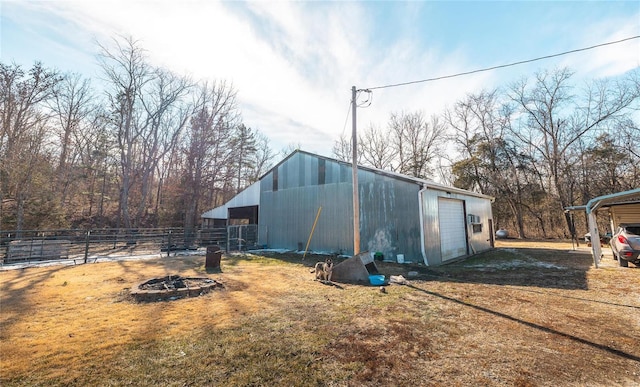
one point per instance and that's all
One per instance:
(213, 270)
(331, 283)
(290, 257)
(15, 293)
(577, 339)
(546, 268)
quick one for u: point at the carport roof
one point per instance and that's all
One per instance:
(619, 198)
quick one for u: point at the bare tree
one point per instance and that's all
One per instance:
(289, 149)
(416, 142)
(205, 147)
(166, 113)
(72, 104)
(554, 119)
(375, 148)
(262, 158)
(125, 68)
(94, 148)
(342, 149)
(489, 160)
(23, 132)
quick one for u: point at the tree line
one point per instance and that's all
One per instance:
(149, 148)
(538, 145)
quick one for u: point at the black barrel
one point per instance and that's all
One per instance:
(214, 255)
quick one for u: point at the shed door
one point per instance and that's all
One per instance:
(453, 239)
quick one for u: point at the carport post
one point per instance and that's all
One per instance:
(596, 249)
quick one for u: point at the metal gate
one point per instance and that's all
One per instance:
(242, 237)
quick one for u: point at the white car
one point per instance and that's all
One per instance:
(625, 244)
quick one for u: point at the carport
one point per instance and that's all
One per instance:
(623, 207)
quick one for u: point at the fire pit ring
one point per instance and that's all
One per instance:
(173, 287)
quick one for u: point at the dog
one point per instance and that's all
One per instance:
(323, 270)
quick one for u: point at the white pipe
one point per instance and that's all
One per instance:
(421, 210)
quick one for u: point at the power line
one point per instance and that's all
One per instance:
(505, 65)
(346, 119)
(364, 104)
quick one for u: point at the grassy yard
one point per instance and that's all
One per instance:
(525, 314)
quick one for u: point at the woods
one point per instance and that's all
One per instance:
(144, 147)
(537, 145)
(147, 148)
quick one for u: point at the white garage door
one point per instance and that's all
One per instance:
(453, 240)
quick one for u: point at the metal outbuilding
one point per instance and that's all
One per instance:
(242, 206)
(402, 217)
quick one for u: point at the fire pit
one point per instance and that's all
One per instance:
(173, 287)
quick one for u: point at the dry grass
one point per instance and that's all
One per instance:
(526, 314)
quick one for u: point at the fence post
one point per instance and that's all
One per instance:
(86, 246)
(31, 250)
(169, 244)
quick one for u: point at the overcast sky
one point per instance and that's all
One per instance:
(293, 63)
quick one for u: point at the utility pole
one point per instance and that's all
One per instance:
(356, 202)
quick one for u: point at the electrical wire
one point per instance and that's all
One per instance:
(504, 65)
(367, 102)
(346, 119)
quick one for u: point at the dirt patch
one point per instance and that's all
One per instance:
(526, 314)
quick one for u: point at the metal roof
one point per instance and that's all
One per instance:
(250, 196)
(611, 200)
(422, 182)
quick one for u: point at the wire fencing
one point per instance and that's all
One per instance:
(82, 246)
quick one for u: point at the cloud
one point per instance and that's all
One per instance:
(610, 60)
(293, 63)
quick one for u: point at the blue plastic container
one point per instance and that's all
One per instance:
(376, 279)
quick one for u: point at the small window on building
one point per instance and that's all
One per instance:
(477, 227)
(275, 180)
(321, 171)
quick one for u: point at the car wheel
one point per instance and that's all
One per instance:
(623, 262)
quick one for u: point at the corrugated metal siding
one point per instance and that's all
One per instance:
(389, 217)
(288, 216)
(473, 205)
(481, 207)
(389, 211)
(389, 220)
(431, 227)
